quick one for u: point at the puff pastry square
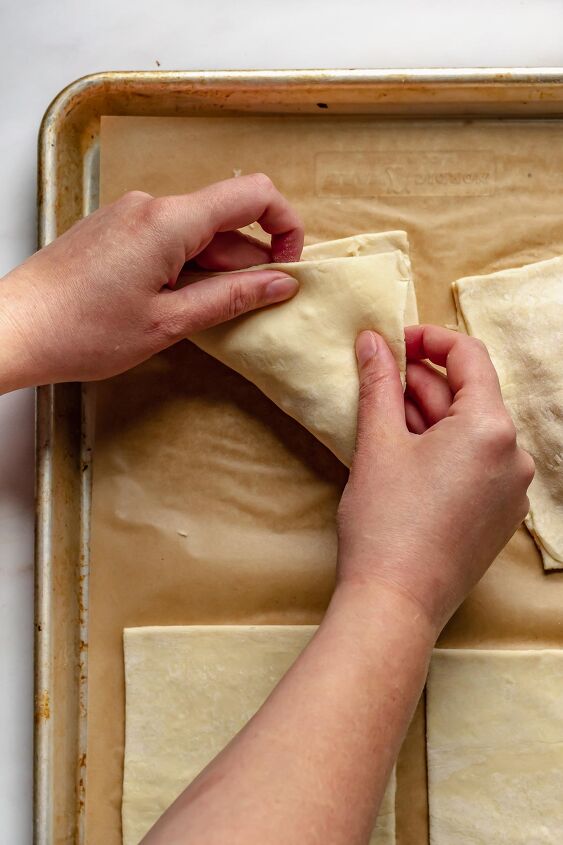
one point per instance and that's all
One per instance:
(518, 314)
(189, 690)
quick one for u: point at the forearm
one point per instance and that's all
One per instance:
(313, 764)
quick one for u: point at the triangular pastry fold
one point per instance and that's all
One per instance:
(300, 353)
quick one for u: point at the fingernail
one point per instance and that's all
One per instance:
(280, 288)
(366, 347)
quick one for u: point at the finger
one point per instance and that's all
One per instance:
(233, 251)
(414, 419)
(211, 301)
(470, 372)
(381, 409)
(429, 390)
(230, 205)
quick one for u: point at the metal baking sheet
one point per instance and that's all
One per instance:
(68, 189)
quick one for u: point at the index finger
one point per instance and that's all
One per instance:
(235, 203)
(469, 368)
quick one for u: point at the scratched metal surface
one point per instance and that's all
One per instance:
(68, 189)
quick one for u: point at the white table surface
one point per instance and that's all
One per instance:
(43, 46)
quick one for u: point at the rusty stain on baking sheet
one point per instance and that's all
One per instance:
(81, 789)
(42, 708)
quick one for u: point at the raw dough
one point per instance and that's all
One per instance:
(301, 353)
(370, 243)
(518, 314)
(189, 690)
(495, 747)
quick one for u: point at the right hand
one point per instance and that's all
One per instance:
(426, 511)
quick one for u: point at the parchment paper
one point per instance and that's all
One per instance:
(209, 504)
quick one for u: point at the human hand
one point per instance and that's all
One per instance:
(100, 298)
(426, 511)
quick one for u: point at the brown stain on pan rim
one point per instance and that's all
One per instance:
(42, 706)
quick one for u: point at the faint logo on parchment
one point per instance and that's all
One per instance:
(401, 174)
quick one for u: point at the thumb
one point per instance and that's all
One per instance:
(210, 301)
(381, 409)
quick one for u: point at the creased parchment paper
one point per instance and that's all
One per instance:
(211, 506)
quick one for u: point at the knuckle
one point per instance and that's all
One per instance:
(371, 382)
(238, 300)
(262, 181)
(155, 326)
(166, 328)
(134, 198)
(172, 330)
(499, 434)
(477, 344)
(528, 467)
(157, 209)
(152, 213)
(505, 432)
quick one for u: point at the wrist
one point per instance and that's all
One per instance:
(17, 362)
(383, 637)
(378, 603)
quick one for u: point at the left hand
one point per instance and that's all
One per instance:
(100, 298)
